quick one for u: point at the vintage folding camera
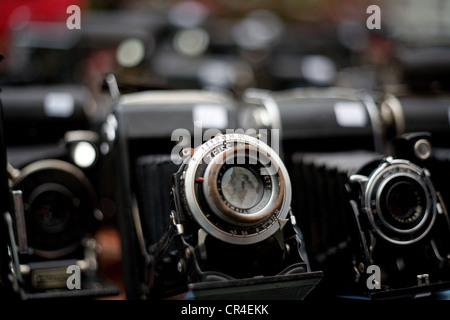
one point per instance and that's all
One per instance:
(53, 207)
(188, 227)
(376, 224)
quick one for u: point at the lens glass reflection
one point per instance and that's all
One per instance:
(241, 187)
(403, 201)
(51, 209)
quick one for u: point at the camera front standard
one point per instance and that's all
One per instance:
(232, 233)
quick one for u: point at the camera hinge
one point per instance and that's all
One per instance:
(202, 234)
(178, 226)
(360, 179)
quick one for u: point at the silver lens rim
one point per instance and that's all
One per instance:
(380, 199)
(234, 216)
(378, 180)
(193, 204)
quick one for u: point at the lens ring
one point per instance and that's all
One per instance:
(385, 193)
(240, 186)
(222, 207)
(194, 199)
(402, 193)
(50, 206)
(381, 181)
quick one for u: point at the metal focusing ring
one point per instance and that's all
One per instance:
(269, 201)
(221, 219)
(375, 195)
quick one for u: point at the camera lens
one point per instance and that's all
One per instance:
(59, 203)
(237, 189)
(51, 209)
(401, 201)
(241, 187)
(404, 202)
(240, 194)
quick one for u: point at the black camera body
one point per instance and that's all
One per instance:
(54, 200)
(384, 230)
(53, 221)
(342, 149)
(138, 131)
(188, 229)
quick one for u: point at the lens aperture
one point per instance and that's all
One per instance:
(241, 187)
(404, 201)
(51, 210)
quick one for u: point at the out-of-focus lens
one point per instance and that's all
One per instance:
(401, 202)
(51, 209)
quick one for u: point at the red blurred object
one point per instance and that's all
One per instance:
(14, 13)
